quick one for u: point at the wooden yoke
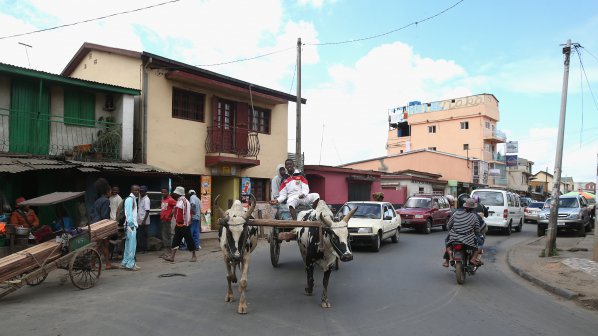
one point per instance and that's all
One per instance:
(284, 223)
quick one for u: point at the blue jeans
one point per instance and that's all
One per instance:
(195, 232)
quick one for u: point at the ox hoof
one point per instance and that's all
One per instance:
(308, 292)
(326, 304)
(242, 310)
(229, 298)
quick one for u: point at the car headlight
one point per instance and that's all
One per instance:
(365, 230)
(573, 216)
(542, 216)
(418, 216)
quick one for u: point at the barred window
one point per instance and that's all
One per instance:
(259, 120)
(187, 105)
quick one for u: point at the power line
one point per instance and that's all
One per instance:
(587, 80)
(589, 53)
(392, 31)
(90, 20)
(246, 59)
(293, 80)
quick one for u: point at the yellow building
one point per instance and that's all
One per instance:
(194, 122)
(464, 126)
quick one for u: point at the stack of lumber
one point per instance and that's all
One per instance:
(25, 261)
(103, 229)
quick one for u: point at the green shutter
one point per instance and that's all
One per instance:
(79, 108)
(29, 117)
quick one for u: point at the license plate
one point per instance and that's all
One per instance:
(405, 222)
(457, 255)
(560, 224)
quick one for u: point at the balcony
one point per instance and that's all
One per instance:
(56, 136)
(224, 141)
(494, 136)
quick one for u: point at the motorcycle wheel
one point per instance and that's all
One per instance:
(460, 272)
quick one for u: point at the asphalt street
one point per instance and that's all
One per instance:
(401, 290)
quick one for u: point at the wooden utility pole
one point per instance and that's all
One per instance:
(298, 161)
(554, 202)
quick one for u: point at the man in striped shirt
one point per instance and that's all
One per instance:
(464, 227)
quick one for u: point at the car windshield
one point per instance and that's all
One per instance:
(491, 198)
(365, 210)
(537, 205)
(418, 202)
(563, 203)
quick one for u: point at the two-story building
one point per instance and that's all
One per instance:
(59, 133)
(210, 129)
(518, 176)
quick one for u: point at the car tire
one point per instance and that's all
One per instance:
(509, 229)
(395, 236)
(376, 243)
(541, 231)
(428, 228)
(520, 226)
(581, 232)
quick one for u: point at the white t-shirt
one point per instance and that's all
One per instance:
(115, 202)
(142, 208)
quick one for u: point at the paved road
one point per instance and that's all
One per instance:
(400, 290)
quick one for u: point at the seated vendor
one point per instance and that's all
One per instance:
(23, 216)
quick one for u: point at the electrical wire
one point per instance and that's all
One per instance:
(293, 80)
(388, 32)
(581, 87)
(589, 53)
(246, 59)
(90, 20)
(587, 80)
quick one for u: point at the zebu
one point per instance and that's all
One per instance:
(334, 244)
(237, 241)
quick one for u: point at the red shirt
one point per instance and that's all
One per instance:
(167, 205)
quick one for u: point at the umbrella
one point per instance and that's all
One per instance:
(585, 194)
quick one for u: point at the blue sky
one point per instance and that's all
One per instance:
(508, 48)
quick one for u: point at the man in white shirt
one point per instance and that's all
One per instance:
(143, 219)
(195, 218)
(115, 202)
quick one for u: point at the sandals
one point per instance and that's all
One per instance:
(445, 263)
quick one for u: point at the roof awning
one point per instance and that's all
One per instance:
(53, 198)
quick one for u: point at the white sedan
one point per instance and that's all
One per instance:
(372, 223)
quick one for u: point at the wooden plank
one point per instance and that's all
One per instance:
(284, 223)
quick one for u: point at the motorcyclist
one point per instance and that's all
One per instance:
(464, 227)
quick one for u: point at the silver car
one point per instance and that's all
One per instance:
(573, 214)
(531, 211)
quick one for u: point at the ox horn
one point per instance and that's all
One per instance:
(326, 220)
(223, 213)
(251, 208)
(349, 215)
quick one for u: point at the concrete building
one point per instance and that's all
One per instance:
(465, 126)
(212, 130)
(518, 176)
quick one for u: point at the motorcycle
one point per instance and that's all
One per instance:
(460, 256)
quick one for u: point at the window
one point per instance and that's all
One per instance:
(421, 190)
(79, 108)
(258, 188)
(431, 129)
(487, 125)
(465, 125)
(432, 148)
(487, 147)
(465, 146)
(187, 105)
(259, 120)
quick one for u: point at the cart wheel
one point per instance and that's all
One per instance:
(274, 248)
(37, 279)
(85, 268)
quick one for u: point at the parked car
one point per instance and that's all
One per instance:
(526, 201)
(372, 223)
(573, 215)
(531, 211)
(423, 212)
(504, 209)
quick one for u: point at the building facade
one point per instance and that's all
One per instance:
(465, 126)
(519, 176)
(196, 123)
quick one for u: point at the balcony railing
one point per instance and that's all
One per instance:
(239, 141)
(54, 136)
(495, 135)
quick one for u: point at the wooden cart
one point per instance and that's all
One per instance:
(75, 253)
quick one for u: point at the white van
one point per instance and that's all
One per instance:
(504, 209)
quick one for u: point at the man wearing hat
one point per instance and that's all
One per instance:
(464, 226)
(195, 217)
(23, 216)
(182, 216)
(143, 210)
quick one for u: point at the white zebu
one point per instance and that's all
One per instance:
(335, 244)
(237, 241)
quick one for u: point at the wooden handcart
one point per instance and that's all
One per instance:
(76, 253)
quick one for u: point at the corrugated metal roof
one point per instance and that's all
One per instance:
(14, 165)
(53, 198)
(20, 164)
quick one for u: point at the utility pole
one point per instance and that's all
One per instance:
(298, 161)
(554, 202)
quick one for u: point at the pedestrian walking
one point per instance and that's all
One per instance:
(131, 224)
(166, 211)
(182, 216)
(143, 210)
(195, 218)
